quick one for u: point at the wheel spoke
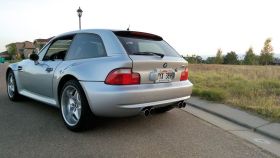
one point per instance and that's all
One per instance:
(76, 114)
(75, 94)
(77, 98)
(69, 93)
(11, 80)
(68, 108)
(12, 88)
(69, 116)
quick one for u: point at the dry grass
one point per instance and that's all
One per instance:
(254, 88)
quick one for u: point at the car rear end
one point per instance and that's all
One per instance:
(157, 77)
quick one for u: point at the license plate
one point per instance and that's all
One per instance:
(165, 75)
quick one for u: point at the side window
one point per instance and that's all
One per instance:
(86, 46)
(58, 49)
(43, 52)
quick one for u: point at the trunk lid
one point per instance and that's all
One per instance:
(154, 69)
(153, 58)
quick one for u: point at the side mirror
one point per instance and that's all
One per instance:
(34, 57)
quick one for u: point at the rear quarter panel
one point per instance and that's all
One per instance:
(90, 70)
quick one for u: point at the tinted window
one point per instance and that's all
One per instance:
(86, 46)
(58, 49)
(43, 52)
(137, 45)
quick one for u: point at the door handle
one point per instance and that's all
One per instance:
(19, 68)
(49, 69)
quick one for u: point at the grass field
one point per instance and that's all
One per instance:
(253, 88)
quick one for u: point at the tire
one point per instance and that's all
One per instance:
(74, 106)
(164, 109)
(12, 90)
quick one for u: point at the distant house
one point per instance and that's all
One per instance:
(23, 49)
(40, 43)
(28, 48)
(19, 48)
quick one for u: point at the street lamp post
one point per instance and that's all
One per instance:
(80, 12)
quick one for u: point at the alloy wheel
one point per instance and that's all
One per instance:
(71, 105)
(11, 85)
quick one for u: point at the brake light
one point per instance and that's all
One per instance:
(184, 75)
(122, 76)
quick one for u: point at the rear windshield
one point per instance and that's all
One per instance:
(141, 44)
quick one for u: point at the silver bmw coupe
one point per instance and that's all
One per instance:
(100, 72)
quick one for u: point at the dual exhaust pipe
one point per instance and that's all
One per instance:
(181, 104)
(150, 110)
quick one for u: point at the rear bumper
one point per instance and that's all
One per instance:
(108, 100)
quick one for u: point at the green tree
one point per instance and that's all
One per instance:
(12, 49)
(231, 58)
(199, 59)
(250, 58)
(210, 60)
(194, 59)
(266, 56)
(191, 59)
(219, 59)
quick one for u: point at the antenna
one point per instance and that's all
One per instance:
(128, 28)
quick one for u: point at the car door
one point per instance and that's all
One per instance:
(37, 77)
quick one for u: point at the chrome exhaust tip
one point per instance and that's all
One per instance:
(146, 112)
(152, 111)
(184, 104)
(179, 105)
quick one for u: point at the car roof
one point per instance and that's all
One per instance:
(85, 31)
(96, 31)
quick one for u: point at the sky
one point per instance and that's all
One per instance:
(197, 27)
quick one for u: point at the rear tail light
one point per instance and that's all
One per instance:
(122, 76)
(184, 75)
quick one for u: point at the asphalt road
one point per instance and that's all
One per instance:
(32, 129)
